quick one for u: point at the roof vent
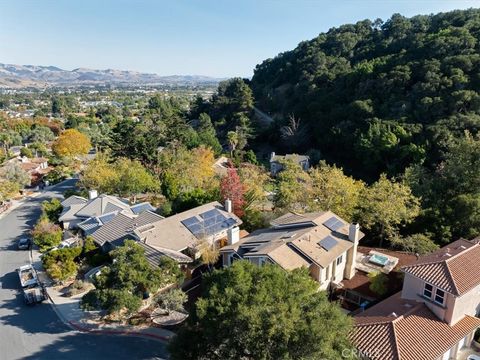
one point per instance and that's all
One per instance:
(462, 247)
(448, 254)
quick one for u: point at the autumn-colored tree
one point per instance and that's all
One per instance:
(183, 171)
(294, 187)
(133, 178)
(124, 177)
(8, 189)
(99, 174)
(71, 143)
(333, 190)
(385, 206)
(232, 188)
(255, 179)
(209, 254)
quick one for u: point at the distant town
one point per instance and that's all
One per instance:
(326, 208)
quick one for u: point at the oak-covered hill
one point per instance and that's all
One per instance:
(377, 96)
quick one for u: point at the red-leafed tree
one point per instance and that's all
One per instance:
(232, 188)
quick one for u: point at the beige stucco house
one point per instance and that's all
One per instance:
(435, 314)
(321, 242)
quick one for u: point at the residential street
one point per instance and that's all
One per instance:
(36, 332)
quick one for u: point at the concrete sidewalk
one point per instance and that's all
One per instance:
(69, 311)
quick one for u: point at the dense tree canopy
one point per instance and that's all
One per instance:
(251, 312)
(377, 97)
(123, 284)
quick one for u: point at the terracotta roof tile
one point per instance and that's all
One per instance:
(453, 268)
(403, 329)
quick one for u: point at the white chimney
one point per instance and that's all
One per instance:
(272, 155)
(233, 235)
(92, 194)
(354, 232)
(353, 236)
(228, 205)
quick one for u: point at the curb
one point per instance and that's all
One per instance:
(80, 328)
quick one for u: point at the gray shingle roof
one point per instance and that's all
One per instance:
(72, 200)
(122, 226)
(154, 255)
(101, 205)
(139, 208)
(90, 225)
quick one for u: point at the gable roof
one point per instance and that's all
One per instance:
(453, 268)
(400, 329)
(68, 213)
(303, 233)
(154, 255)
(141, 207)
(93, 223)
(122, 226)
(171, 233)
(101, 205)
(74, 199)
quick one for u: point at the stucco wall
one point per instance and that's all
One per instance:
(412, 286)
(467, 304)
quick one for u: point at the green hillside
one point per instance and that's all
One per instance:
(377, 96)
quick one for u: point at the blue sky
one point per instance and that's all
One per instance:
(217, 38)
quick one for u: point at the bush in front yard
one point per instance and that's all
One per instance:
(123, 284)
(52, 209)
(60, 264)
(46, 235)
(172, 300)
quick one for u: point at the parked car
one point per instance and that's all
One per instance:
(24, 243)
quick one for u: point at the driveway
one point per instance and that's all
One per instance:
(36, 332)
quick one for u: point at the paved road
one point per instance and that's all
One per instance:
(36, 332)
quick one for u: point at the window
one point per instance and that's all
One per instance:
(339, 259)
(428, 290)
(439, 296)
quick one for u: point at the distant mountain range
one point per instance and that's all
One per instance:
(20, 76)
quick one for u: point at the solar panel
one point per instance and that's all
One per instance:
(210, 214)
(190, 221)
(210, 221)
(328, 243)
(230, 222)
(334, 223)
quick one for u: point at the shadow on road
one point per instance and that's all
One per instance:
(10, 281)
(84, 346)
(31, 319)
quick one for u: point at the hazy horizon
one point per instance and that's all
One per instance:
(211, 38)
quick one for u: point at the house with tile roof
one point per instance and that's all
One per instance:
(436, 313)
(121, 227)
(321, 241)
(90, 214)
